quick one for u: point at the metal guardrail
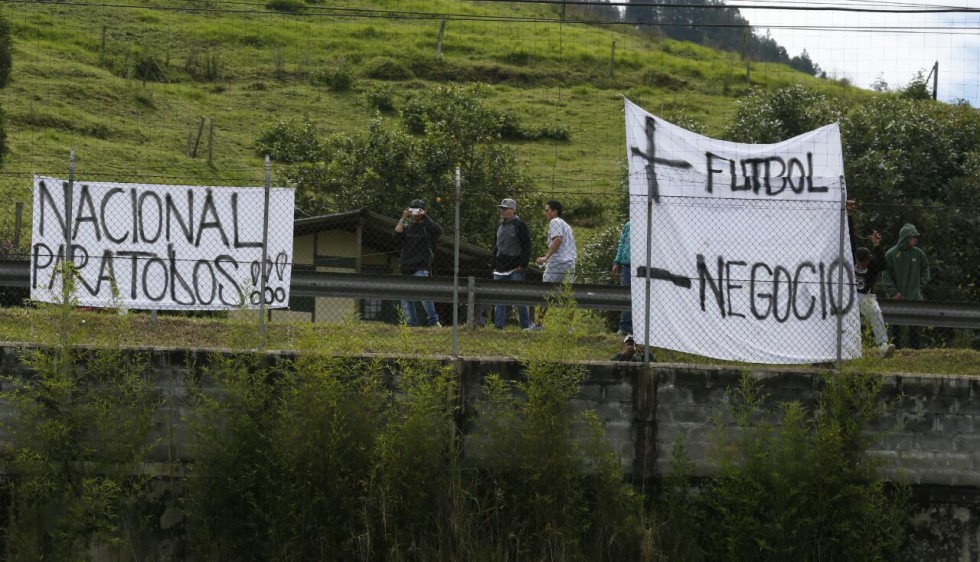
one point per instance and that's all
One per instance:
(485, 291)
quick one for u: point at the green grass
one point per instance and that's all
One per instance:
(61, 96)
(587, 343)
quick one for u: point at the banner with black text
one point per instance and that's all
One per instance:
(745, 258)
(161, 246)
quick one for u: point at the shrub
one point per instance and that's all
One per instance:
(148, 67)
(290, 141)
(382, 98)
(586, 211)
(807, 489)
(76, 442)
(204, 64)
(550, 492)
(386, 68)
(286, 6)
(337, 79)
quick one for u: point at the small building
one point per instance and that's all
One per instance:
(361, 241)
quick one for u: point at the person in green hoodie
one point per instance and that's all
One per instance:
(906, 273)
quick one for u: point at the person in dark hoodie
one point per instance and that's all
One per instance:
(417, 234)
(906, 273)
(511, 252)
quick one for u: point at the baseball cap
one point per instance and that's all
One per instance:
(417, 203)
(629, 337)
(508, 204)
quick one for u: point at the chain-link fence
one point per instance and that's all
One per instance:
(362, 112)
(148, 248)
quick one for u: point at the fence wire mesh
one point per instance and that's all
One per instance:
(207, 267)
(192, 96)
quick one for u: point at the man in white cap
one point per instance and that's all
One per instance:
(511, 252)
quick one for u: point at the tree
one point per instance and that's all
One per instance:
(917, 89)
(773, 116)
(879, 85)
(905, 160)
(803, 63)
(415, 156)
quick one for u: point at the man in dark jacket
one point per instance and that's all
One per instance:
(511, 252)
(868, 264)
(417, 234)
(906, 273)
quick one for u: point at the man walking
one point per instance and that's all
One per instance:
(417, 234)
(559, 261)
(511, 252)
(906, 273)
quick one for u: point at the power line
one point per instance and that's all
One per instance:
(777, 7)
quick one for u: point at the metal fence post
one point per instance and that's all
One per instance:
(840, 273)
(18, 222)
(69, 254)
(470, 302)
(455, 351)
(265, 254)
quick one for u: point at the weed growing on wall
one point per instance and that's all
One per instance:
(419, 506)
(803, 490)
(550, 487)
(77, 441)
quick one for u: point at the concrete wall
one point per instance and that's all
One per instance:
(931, 439)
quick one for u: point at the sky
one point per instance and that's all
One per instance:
(866, 47)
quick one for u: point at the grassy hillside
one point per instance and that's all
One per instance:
(129, 107)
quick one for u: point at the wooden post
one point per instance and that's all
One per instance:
(197, 143)
(18, 217)
(612, 58)
(210, 140)
(442, 29)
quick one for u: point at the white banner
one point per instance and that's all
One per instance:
(745, 253)
(161, 246)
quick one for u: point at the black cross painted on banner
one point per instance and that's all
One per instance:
(651, 157)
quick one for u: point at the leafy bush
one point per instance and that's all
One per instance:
(337, 79)
(290, 141)
(386, 68)
(586, 211)
(547, 492)
(286, 6)
(382, 98)
(395, 162)
(770, 117)
(77, 440)
(595, 264)
(803, 490)
(917, 89)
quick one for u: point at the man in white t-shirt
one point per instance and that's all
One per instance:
(559, 261)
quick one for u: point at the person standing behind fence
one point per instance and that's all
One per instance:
(511, 252)
(559, 261)
(621, 267)
(906, 273)
(417, 234)
(867, 265)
